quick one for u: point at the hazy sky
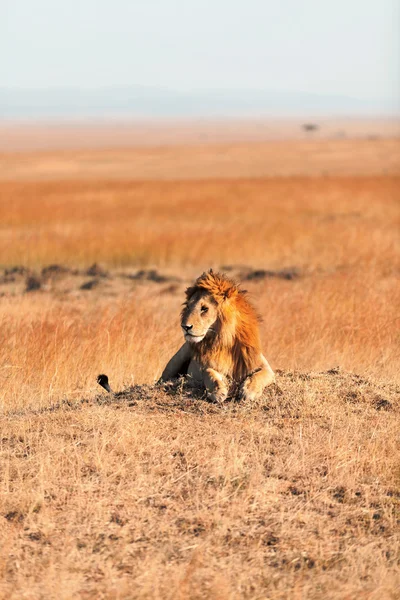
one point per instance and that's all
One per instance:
(346, 47)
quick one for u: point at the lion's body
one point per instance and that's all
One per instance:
(222, 340)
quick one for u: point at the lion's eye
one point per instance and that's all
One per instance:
(204, 309)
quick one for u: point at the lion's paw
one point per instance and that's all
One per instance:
(218, 396)
(250, 392)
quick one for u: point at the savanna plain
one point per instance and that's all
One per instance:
(153, 492)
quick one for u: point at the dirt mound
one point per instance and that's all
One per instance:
(96, 271)
(13, 274)
(151, 275)
(247, 273)
(289, 274)
(33, 283)
(55, 270)
(90, 285)
(293, 395)
(17, 270)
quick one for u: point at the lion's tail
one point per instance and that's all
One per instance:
(103, 381)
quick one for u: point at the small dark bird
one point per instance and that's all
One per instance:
(103, 381)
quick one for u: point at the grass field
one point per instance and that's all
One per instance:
(156, 493)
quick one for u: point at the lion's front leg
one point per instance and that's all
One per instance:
(216, 385)
(255, 384)
(178, 364)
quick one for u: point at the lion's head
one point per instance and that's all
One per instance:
(217, 316)
(199, 315)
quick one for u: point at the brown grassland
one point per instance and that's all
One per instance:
(154, 492)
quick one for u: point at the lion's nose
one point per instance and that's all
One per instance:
(187, 328)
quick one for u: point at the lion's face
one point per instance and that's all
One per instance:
(199, 317)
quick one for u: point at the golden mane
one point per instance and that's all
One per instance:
(216, 284)
(236, 347)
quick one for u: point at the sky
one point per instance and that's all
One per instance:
(341, 47)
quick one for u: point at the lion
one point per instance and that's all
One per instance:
(222, 340)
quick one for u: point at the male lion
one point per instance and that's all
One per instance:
(222, 340)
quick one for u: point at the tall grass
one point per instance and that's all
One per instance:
(311, 223)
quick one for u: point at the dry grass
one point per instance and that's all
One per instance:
(156, 493)
(310, 157)
(274, 222)
(159, 496)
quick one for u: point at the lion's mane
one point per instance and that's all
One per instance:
(236, 347)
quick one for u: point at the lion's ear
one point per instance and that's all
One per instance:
(190, 291)
(230, 293)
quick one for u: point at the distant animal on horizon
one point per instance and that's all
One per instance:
(222, 340)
